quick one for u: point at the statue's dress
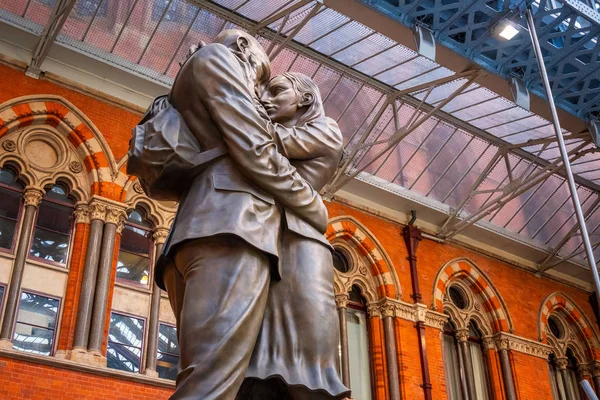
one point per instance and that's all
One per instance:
(296, 356)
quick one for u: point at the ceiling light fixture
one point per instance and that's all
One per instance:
(506, 30)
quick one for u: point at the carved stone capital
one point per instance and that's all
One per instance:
(489, 343)
(387, 309)
(503, 343)
(97, 211)
(81, 214)
(462, 335)
(33, 196)
(341, 300)
(374, 310)
(561, 363)
(596, 369)
(115, 215)
(160, 235)
(583, 370)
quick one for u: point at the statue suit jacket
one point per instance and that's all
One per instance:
(212, 94)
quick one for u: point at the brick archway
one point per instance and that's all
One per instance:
(380, 265)
(560, 302)
(81, 133)
(480, 286)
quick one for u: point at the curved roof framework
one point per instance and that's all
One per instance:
(415, 128)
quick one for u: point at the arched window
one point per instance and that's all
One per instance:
(457, 370)
(135, 251)
(51, 237)
(358, 346)
(11, 193)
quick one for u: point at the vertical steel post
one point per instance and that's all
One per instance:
(563, 151)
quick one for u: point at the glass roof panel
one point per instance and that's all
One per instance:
(385, 60)
(369, 46)
(325, 21)
(340, 38)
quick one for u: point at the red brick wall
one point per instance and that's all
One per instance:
(113, 122)
(30, 381)
(71, 299)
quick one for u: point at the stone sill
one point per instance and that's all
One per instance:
(79, 367)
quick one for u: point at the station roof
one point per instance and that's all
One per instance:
(442, 137)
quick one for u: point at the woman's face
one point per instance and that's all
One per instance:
(281, 101)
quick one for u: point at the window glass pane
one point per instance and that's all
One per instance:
(7, 232)
(168, 352)
(167, 340)
(38, 310)
(55, 217)
(1, 296)
(33, 339)
(135, 240)
(10, 202)
(36, 322)
(8, 177)
(125, 340)
(452, 368)
(358, 352)
(126, 330)
(479, 371)
(124, 358)
(133, 268)
(50, 246)
(166, 366)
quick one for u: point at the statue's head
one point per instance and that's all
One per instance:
(250, 49)
(292, 99)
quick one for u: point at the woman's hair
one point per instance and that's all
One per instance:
(303, 84)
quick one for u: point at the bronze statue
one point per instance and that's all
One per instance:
(241, 218)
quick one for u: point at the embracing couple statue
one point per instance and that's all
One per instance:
(247, 268)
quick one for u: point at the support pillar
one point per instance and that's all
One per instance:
(32, 198)
(561, 364)
(596, 377)
(341, 301)
(387, 312)
(583, 373)
(462, 336)
(97, 215)
(160, 235)
(412, 238)
(115, 217)
(507, 376)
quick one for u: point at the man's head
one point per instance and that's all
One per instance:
(250, 49)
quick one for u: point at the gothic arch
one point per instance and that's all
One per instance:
(471, 277)
(80, 132)
(347, 232)
(161, 213)
(587, 344)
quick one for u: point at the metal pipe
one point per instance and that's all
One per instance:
(587, 388)
(563, 151)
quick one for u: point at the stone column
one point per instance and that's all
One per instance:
(31, 198)
(503, 346)
(583, 372)
(160, 235)
(388, 312)
(97, 215)
(341, 301)
(596, 377)
(561, 364)
(115, 217)
(462, 336)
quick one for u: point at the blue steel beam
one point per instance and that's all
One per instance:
(568, 30)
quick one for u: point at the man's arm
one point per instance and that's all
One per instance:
(320, 138)
(221, 84)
